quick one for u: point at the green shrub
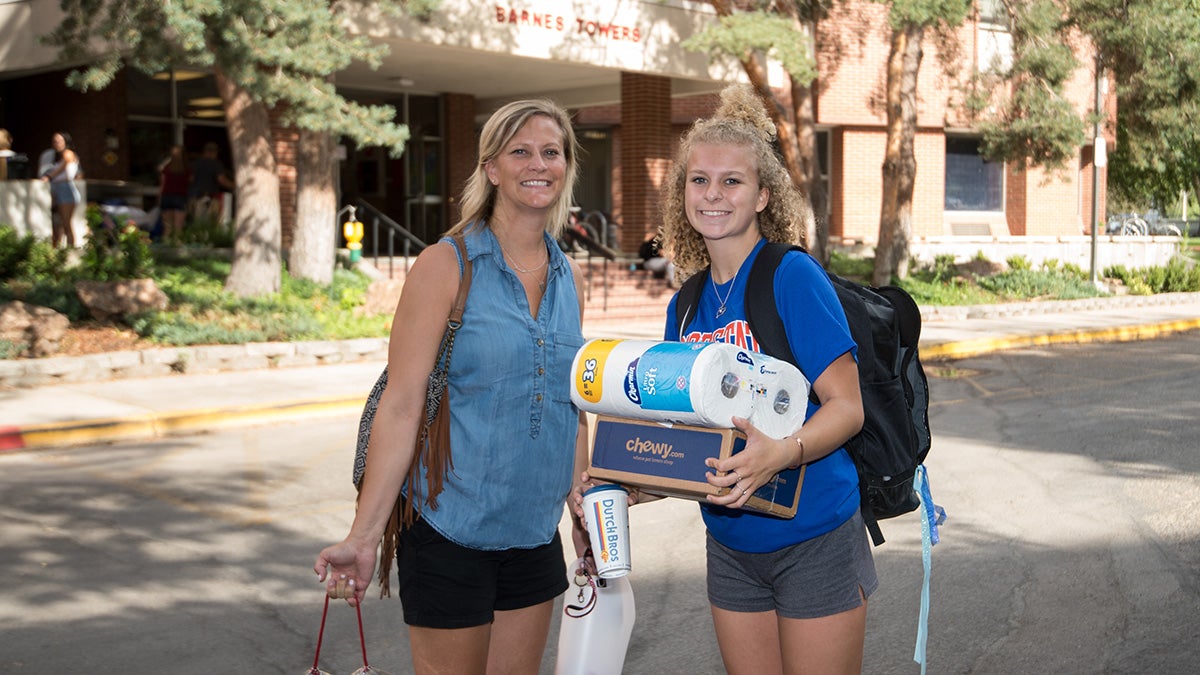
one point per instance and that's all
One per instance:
(14, 249)
(10, 349)
(1030, 284)
(1175, 277)
(1073, 270)
(58, 295)
(208, 231)
(943, 267)
(1018, 263)
(114, 250)
(1050, 264)
(956, 291)
(27, 257)
(859, 269)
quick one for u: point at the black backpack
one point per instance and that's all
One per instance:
(886, 325)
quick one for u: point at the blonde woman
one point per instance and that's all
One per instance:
(478, 575)
(787, 595)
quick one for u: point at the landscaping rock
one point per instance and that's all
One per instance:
(979, 268)
(117, 299)
(39, 329)
(382, 296)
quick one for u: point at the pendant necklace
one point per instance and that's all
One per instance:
(530, 270)
(721, 309)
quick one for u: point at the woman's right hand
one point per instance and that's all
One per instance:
(349, 562)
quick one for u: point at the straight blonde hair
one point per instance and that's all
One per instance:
(479, 195)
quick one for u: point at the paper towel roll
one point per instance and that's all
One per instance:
(697, 383)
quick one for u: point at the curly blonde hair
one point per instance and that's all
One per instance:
(740, 120)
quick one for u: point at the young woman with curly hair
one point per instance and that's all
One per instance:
(787, 595)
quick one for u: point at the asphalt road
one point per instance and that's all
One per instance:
(1072, 545)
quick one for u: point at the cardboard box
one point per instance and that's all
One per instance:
(669, 461)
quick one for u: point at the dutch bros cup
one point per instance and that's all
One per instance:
(606, 508)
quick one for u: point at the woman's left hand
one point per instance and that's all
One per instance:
(750, 469)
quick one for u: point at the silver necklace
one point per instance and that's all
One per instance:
(541, 280)
(517, 265)
(721, 309)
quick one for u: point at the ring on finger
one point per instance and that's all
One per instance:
(739, 477)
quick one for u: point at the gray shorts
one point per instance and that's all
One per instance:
(815, 578)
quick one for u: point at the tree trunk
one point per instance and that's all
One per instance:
(899, 162)
(313, 244)
(256, 245)
(806, 141)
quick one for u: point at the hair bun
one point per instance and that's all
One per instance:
(740, 103)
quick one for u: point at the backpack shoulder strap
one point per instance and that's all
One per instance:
(761, 311)
(688, 299)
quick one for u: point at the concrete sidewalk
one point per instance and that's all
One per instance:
(59, 415)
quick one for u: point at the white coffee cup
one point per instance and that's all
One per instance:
(606, 508)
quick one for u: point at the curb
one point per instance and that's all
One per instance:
(160, 425)
(967, 348)
(267, 355)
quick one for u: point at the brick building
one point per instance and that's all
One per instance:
(618, 66)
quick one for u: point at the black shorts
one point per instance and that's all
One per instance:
(444, 585)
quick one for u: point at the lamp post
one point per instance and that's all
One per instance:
(1099, 161)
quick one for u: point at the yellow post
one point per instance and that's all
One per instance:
(353, 231)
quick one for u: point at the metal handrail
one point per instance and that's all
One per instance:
(379, 218)
(571, 236)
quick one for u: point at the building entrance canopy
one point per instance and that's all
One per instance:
(572, 52)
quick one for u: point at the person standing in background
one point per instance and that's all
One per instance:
(174, 179)
(209, 179)
(5, 152)
(46, 161)
(64, 196)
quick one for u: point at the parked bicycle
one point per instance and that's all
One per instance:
(1134, 225)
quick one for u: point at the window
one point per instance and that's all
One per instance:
(993, 12)
(994, 41)
(972, 183)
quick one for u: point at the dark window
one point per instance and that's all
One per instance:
(972, 183)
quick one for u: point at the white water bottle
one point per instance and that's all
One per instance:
(596, 624)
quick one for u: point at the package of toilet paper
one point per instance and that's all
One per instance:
(696, 383)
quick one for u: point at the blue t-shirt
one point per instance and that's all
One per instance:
(818, 334)
(512, 423)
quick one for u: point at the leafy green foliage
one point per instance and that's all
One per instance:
(1019, 262)
(926, 13)
(114, 250)
(758, 30)
(1152, 49)
(10, 349)
(1037, 284)
(283, 52)
(27, 257)
(1035, 124)
(202, 312)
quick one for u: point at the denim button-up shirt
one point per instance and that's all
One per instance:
(512, 425)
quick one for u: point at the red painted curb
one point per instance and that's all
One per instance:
(11, 438)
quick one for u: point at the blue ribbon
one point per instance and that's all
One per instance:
(932, 515)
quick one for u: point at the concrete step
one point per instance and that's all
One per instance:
(613, 293)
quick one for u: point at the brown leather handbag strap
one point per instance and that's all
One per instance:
(464, 284)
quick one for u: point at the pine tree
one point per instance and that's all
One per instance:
(265, 55)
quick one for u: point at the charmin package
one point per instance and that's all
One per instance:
(694, 383)
(669, 460)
